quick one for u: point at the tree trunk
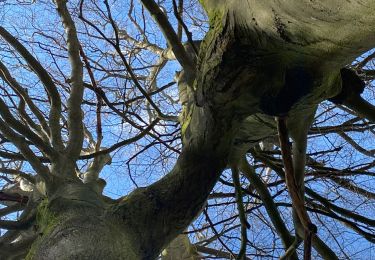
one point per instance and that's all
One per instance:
(270, 57)
(73, 228)
(77, 221)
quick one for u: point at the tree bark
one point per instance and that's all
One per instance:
(270, 57)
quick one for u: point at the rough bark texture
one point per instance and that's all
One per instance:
(267, 57)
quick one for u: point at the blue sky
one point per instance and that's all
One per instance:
(26, 22)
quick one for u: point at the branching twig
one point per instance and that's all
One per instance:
(53, 94)
(217, 233)
(123, 59)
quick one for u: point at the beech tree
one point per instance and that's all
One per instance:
(245, 107)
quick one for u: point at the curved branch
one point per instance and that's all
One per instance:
(7, 77)
(18, 225)
(54, 96)
(25, 131)
(361, 107)
(122, 143)
(26, 152)
(30, 122)
(340, 210)
(180, 195)
(347, 184)
(11, 209)
(170, 35)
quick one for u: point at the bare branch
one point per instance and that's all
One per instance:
(55, 101)
(27, 153)
(293, 182)
(269, 204)
(362, 107)
(6, 76)
(123, 59)
(75, 114)
(19, 225)
(11, 209)
(171, 36)
(25, 131)
(241, 212)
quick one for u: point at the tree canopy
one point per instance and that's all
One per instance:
(187, 129)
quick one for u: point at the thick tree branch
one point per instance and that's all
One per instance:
(22, 224)
(11, 209)
(171, 36)
(362, 107)
(27, 120)
(75, 114)
(181, 194)
(175, 199)
(294, 177)
(292, 181)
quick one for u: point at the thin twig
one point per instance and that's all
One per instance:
(217, 233)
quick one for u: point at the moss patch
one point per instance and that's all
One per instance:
(46, 222)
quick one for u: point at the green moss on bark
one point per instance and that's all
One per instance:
(46, 222)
